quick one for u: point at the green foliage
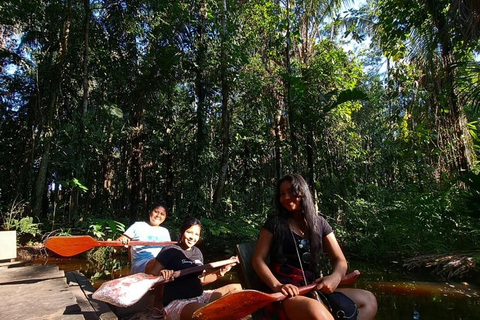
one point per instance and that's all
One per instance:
(471, 195)
(27, 226)
(105, 262)
(406, 224)
(173, 94)
(12, 220)
(104, 228)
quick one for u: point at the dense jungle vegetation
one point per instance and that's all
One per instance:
(108, 106)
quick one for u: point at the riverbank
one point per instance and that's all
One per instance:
(461, 267)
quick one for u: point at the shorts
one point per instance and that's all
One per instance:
(139, 266)
(174, 308)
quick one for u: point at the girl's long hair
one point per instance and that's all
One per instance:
(299, 189)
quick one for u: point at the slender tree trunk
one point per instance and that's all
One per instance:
(136, 163)
(107, 171)
(169, 158)
(286, 95)
(200, 90)
(217, 196)
(85, 59)
(310, 161)
(47, 129)
(279, 134)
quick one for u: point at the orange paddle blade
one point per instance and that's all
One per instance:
(73, 245)
(70, 246)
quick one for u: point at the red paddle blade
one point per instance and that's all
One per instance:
(240, 304)
(236, 305)
(70, 246)
(350, 278)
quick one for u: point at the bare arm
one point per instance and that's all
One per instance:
(206, 278)
(330, 282)
(261, 268)
(154, 267)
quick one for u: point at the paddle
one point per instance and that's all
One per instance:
(242, 303)
(73, 245)
(125, 291)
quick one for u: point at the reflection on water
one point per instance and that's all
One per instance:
(399, 297)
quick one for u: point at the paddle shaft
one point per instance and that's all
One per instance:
(73, 245)
(209, 266)
(240, 304)
(133, 243)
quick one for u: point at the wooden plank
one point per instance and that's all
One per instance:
(30, 274)
(91, 308)
(36, 292)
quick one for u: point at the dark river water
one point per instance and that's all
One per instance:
(400, 296)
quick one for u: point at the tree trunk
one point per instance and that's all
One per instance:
(85, 59)
(286, 95)
(200, 78)
(136, 163)
(452, 132)
(217, 196)
(47, 130)
(279, 120)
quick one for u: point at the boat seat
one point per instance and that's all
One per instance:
(248, 276)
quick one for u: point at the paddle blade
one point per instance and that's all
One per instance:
(236, 305)
(124, 292)
(350, 278)
(70, 246)
(240, 304)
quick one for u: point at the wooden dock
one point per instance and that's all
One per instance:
(45, 292)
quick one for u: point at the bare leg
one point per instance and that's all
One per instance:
(301, 308)
(158, 300)
(365, 301)
(189, 309)
(223, 291)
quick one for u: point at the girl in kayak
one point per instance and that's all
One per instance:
(143, 256)
(185, 295)
(295, 238)
(148, 230)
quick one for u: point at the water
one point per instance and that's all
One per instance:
(400, 297)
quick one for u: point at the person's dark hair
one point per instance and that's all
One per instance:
(159, 203)
(186, 224)
(300, 189)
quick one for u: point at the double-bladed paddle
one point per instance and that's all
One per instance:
(240, 304)
(73, 245)
(125, 291)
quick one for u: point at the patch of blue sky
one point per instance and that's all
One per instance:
(360, 49)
